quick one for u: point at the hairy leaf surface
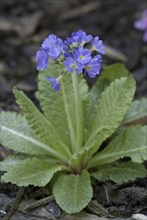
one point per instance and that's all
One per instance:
(137, 110)
(110, 111)
(41, 126)
(94, 95)
(17, 135)
(12, 160)
(17, 159)
(120, 173)
(110, 73)
(114, 71)
(33, 171)
(131, 142)
(73, 192)
(54, 104)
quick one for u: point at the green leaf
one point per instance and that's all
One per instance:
(114, 71)
(137, 110)
(79, 112)
(17, 159)
(33, 171)
(73, 192)
(110, 73)
(111, 110)
(17, 135)
(52, 102)
(12, 160)
(41, 126)
(131, 142)
(94, 95)
(120, 173)
(59, 107)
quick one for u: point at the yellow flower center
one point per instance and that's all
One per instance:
(88, 67)
(73, 66)
(81, 57)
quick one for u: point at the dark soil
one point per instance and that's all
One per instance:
(24, 25)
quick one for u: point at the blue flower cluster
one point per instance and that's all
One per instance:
(75, 53)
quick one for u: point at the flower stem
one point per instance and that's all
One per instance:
(69, 119)
(79, 112)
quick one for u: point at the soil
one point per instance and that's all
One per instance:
(24, 25)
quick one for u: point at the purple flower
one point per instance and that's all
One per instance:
(73, 65)
(68, 41)
(72, 53)
(54, 83)
(141, 24)
(42, 59)
(68, 54)
(53, 46)
(97, 45)
(82, 55)
(78, 38)
(97, 58)
(93, 67)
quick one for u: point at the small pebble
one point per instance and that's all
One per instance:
(139, 217)
(54, 209)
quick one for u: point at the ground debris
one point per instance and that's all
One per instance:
(15, 205)
(139, 217)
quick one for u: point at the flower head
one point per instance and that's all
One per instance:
(54, 83)
(97, 45)
(68, 54)
(78, 38)
(53, 46)
(73, 65)
(97, 58)
(82, 55)
(73, 54)
(42, 59)
(93, 67)
(141, 24)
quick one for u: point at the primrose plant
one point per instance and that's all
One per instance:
(80, 134)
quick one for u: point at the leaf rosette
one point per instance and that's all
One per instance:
(79, 133)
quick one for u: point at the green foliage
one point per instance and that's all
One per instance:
(17, 135)
(115, 71)
(73, 192)
(120, 173)
(52, 103)
(12, 160)
(131, 142)
(80, 133)
(32, 171)
(59, 107)
(45, 131)
(110, 73)
(110, 111)
(137, 110)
